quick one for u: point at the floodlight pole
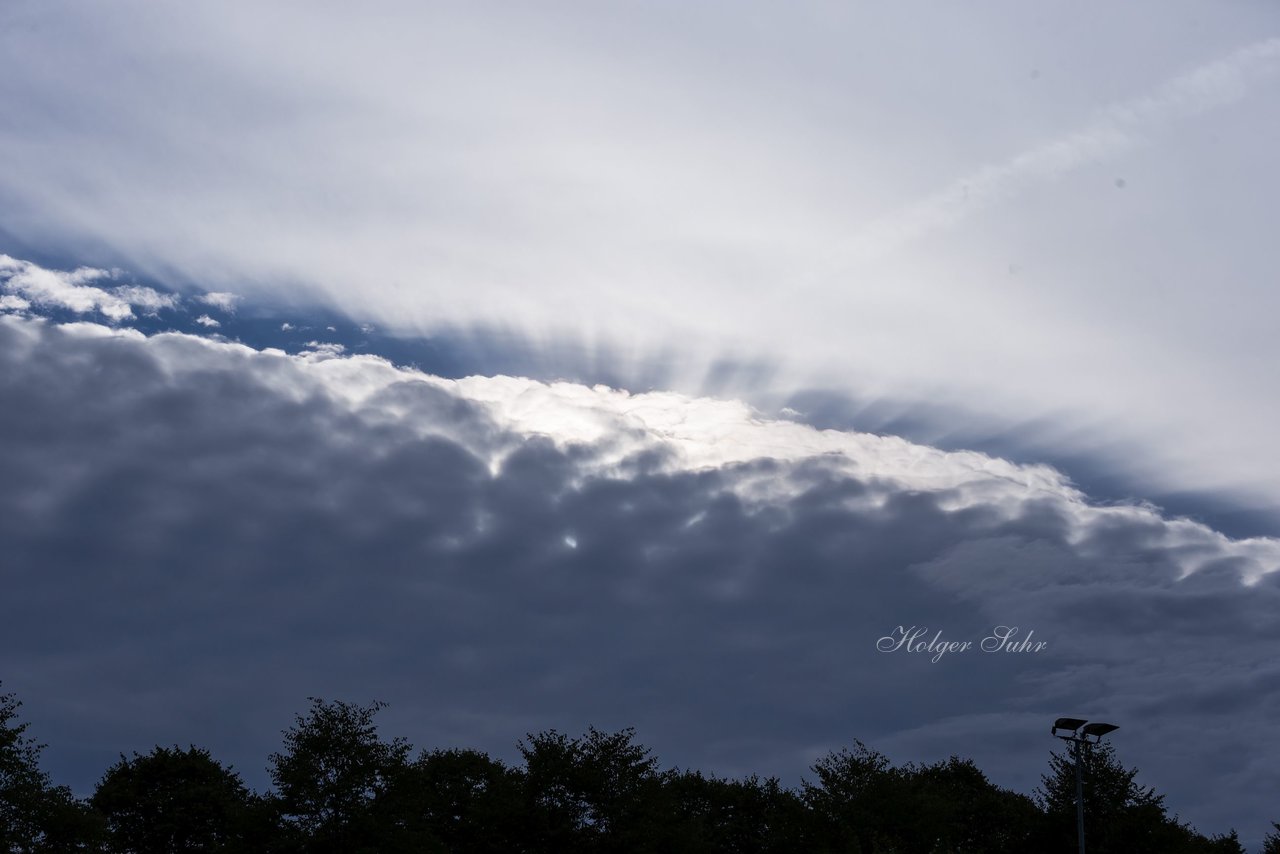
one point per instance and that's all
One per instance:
(1080, 731)
(1079, 793)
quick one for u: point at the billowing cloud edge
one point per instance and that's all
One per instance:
(690, 434)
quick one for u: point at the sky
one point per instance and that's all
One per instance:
(646, 365)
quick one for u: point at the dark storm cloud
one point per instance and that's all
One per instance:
(198, 535)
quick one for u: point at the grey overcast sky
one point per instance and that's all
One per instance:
(919, 314)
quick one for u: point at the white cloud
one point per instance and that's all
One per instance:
(30, 284)
(703, 433)
(206, 320)
(322, 350)
(146, 300)
(56, 289)
(219, 299)
(696, 434)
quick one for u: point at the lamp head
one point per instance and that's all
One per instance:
(1098, 730)
(1070, 724)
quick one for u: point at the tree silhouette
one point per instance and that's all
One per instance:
(1271, 842)
(951, 806)
(852, 800)
(35, 815)
(1120, 815)
(172, 800)
(452, 800)
(340, 787)
(332, 769)
(718, 816)
(861, 803)
(597, 792)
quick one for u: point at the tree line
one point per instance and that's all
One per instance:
(338, 786)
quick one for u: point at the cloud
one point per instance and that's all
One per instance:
(147, 300)
(56, 289)
(199, 535)
(866, 205)
(318, 349)
(219, 299)
(10, 302)
(29, 284)
(1119, 128)
(206, 320)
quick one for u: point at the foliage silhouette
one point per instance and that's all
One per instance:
(452, 800)
(1271, 843)
(591, 793)
(722, 816)
(332, 769)
(1120, 816)
(173, 800)
(861, 803)
(36, 815)
(339, 786)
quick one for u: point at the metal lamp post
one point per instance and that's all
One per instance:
(1081, 733)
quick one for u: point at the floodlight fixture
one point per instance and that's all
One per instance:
(1098, 730)
(1070, 724)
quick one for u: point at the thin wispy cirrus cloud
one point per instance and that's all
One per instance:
(1023, 244)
